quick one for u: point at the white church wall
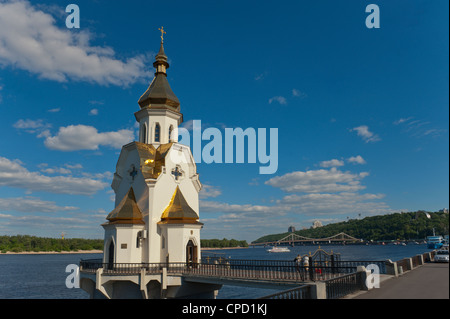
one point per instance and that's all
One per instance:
(178, 236)
(127, 249)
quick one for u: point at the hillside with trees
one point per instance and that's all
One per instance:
(222, 243)
(397, 226)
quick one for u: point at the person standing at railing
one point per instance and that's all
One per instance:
(306, 262)
(306, 267)
(298, 264)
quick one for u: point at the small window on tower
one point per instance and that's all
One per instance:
(157, 133)
(144, 133)
(170, 133)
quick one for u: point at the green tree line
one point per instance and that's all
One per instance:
(223, 243)
(25, 243)
(397, 226)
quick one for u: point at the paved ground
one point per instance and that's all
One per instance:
(430, 281)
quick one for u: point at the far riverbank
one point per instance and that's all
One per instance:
(222, 248)
(53, 252)
(92, 251)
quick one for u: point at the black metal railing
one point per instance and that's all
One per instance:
(248, 269)
(91, 265)
(343, 285)
(302, 292)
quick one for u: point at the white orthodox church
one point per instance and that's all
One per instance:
(156, 214)
(156, 185)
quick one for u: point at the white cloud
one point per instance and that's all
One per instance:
(336, 204)
(418, 128)
(74, 166)
(55, 110)
(38, 127)
(93, 112)
(434, 132)
(318, 181)
(367, 136)
(252, 221)
(31, 40)
(247, 209)
(31, 205)
(105, 175)
(188, 125)
(43, 225)
(298, 93)
(209, 191)
(322, 192)
(14, 174)
(402, 120)
(56, 170)
(260, 76)
(83, 137)
(332, 163)
(30, 124)
(279, 99)
(356, 160)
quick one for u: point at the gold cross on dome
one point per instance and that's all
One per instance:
(162, 33)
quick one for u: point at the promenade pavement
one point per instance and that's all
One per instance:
(430, 281)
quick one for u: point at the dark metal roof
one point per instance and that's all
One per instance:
(159, 92)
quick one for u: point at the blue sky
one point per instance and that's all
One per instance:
(362, 114)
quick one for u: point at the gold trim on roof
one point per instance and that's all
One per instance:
(152, 160)
(127, 212)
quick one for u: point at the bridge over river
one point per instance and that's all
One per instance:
(292, 239)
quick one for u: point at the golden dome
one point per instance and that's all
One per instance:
(178, 211)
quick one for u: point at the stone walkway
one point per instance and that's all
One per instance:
(430, 281)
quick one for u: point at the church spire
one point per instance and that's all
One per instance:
(161, 61)
(159, 94)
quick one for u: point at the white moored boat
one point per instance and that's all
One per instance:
(278, 250)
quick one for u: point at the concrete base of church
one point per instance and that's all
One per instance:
(142, 286)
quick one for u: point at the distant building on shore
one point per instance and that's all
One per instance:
(316, 224)
(291, 229)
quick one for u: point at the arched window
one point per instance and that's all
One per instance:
(157, 133)
(144, 133)
(170, 133)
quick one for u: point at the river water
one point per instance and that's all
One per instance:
(43, 276)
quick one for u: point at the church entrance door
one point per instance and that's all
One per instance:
(191, 253)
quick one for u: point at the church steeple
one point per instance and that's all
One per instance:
(159, 94)
(161, 61)
(160, 115)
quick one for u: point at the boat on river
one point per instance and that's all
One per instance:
(435, 242)
(278, 250)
